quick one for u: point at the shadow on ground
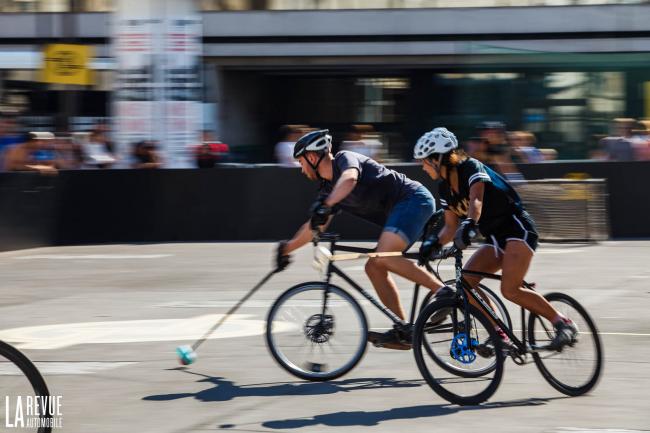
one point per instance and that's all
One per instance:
(364, 418)
(225, 390)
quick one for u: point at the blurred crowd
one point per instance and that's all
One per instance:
(492, 143)
(46, 152)
(360, 138)
(629, 140)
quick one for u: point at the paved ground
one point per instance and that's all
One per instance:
(109, 317)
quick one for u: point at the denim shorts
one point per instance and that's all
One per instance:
(410, 215)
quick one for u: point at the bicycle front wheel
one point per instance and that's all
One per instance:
(501, 312)
(21, 380)
(316, 331)
(574, 370)
(446, 354)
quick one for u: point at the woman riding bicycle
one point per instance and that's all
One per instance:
(474, 198)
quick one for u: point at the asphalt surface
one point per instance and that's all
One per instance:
(102, 323)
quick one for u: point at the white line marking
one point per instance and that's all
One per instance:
(92, 256)
(255, 303)
(63, 368)
(133, 331)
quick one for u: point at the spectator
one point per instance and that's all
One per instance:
(618, 146)
(641, 141)
(99, 150)
(146, 155)
(37, 153)
(476, 147)
(211, 151)
(9, 135)
(523, 147)
(284, 148)
(67, 154)
(498, 151)
(364, 140)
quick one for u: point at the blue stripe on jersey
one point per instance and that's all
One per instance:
(500, 183)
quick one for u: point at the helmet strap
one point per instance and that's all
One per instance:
(315, 166)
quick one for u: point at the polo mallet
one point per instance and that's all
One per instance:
(187, 354)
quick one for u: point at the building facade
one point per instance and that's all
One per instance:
(560, 69)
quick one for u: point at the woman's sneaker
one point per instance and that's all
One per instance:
(565, 334)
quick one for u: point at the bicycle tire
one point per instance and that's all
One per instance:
(419, 341)
(503, 313)
(292, 367)
(534, 323)
(30, 371)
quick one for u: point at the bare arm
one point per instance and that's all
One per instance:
(451, 224)
(476, 192)
(343, 187)
(303, 236)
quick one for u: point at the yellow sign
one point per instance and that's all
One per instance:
(67, 64)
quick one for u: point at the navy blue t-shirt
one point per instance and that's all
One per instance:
(500, 200)
(378, 188)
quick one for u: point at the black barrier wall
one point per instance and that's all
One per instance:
(232, 203)
(27, 210)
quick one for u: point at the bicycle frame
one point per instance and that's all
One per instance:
(464, 289)
(332, 269)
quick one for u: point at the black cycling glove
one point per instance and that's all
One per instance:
(282, 260)
(429, 247)
(465, 233)
(320, 213)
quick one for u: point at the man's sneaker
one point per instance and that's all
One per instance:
(392, 339)
(486, 349)
(565, 334)
(444, 292)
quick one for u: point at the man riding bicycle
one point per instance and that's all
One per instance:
(359, 185)
(474, 198)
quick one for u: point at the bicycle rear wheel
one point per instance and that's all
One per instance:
(314, 337)
(446, 354)
(577, 368)
(21, 380)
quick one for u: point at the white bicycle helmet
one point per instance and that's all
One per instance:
(439, 141)
(315, 141)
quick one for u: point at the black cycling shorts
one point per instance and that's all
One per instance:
(519, 227)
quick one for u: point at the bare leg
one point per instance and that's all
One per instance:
(516, 262)
(378, 268)
(483, 260)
